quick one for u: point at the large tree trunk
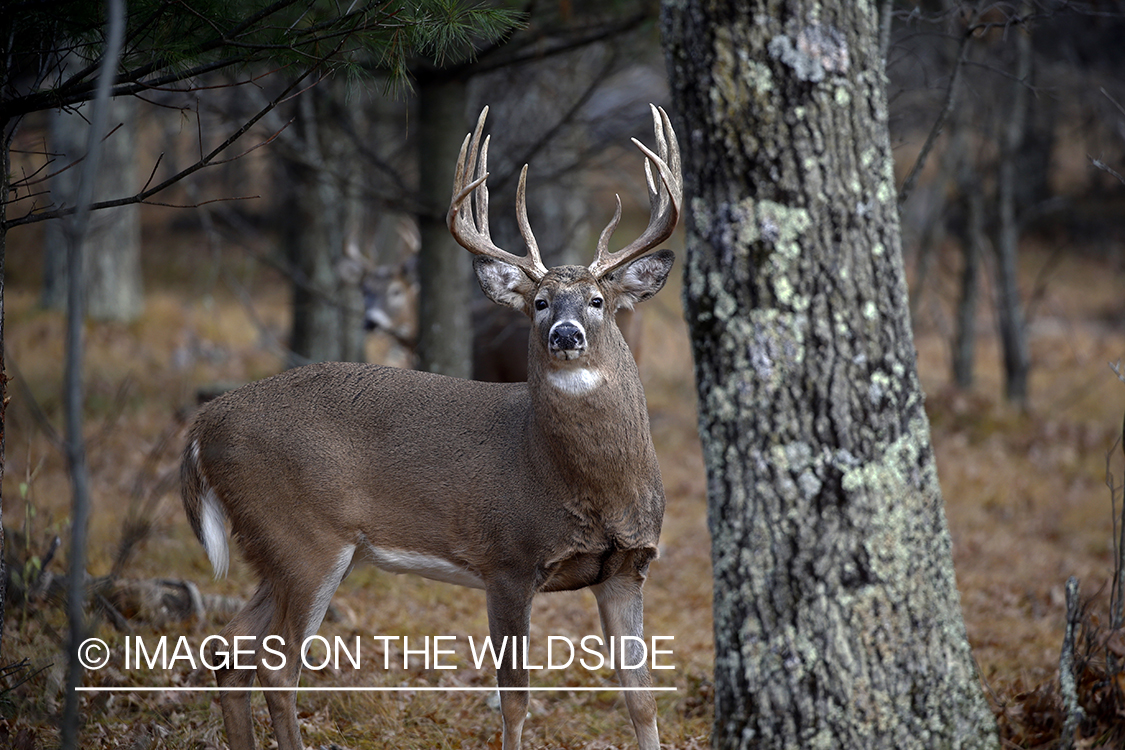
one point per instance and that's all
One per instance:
(837, 617)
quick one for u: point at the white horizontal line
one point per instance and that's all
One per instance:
(427, 688)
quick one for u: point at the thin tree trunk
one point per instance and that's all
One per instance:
(1013, 328)
(950, 167)
(837, 617)
(114, 289)
(7, 131)
(322, 212)
(75, 444)
(972, 248)
(444, 268)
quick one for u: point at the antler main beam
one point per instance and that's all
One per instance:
(468, 221)
(665, 197)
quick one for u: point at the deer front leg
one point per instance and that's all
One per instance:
(509, 616)
(620, 604)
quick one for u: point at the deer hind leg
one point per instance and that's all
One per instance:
(253, 622)
(300, 608)
(620, 604)
(509, 615)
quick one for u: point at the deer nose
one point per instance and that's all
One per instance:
(567, 339)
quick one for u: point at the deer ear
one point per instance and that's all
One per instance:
(640, 279)
(504, 284)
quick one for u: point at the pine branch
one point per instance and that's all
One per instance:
(213, 36)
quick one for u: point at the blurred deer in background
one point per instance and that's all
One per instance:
(514, 488)
(390, 292)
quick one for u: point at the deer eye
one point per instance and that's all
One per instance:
(540, 304)
(597, 302)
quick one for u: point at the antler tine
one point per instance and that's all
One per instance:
(472, 232)
(480, 208)
(665, 197)
(525, 225)
(603, 240)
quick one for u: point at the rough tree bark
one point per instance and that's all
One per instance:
(837, 618)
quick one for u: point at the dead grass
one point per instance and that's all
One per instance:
(1024, 495)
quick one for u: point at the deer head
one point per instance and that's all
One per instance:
(572, 309)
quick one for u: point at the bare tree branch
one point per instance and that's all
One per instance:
(206, 160)
(240, 50)
(26, 181)
(950, 99)
(1099, 164)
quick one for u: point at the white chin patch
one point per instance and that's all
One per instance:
(575, 382)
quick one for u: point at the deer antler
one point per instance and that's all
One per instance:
(665, 199)
(468, 223)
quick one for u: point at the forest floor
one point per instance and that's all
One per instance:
(1025, 494)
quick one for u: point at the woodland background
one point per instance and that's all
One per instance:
(1020, 192)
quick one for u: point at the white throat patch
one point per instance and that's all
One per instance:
(577, 381)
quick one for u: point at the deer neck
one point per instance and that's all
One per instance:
(591, 422)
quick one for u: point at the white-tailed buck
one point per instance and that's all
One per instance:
(514, 488)
(500, 334)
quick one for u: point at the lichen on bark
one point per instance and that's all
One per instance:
(837, 619)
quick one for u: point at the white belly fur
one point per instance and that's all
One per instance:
(427, 566)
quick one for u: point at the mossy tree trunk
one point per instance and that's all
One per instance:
(837, 617)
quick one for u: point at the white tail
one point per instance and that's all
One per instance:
(548, 485)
